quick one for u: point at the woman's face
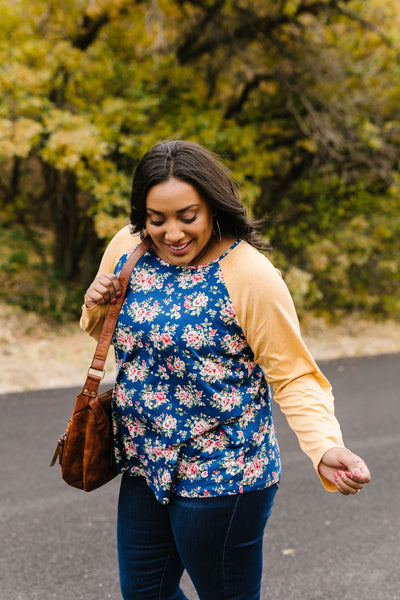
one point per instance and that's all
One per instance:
(178, 220)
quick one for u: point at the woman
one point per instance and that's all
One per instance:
(206, 327)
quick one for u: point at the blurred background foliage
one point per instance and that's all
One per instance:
(301, 98)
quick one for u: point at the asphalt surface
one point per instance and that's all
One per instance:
(58, 542)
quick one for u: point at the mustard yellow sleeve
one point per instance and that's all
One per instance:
(269, 322)
(92, 318)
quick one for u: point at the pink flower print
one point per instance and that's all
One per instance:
(249, 471)
(141, 314)
(231, 466)
(166, 338)
(183, 467)
(229, 310)
(148, 397)
(200, 427)
(184, 396)
(158, 451)
(169, 423)
(136, 428)
(248, 415)
(140, 278)
(186, 304)
(257, 464)
(166, 477)
(130, 449)
(175, 311)
(193, 469)
(122, 337)
(144, 280)
(209, 445)
(234, 345)
(149, 282)
(197, 277)
(200, 300)
(227, 403)
(219, 444)
(179, 366)
(193, 338)
(137, 373)
(120, 396)
(213, 370)
(254, 469)
(160, 397)
(168, 453)
(153, 311)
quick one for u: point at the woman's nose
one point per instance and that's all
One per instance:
(173, 232)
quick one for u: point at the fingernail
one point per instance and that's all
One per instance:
(348, 474)
(336, 475)
(118, 294)
(114, 301)
(357, 472)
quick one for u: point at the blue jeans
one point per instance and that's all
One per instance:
(217, 540)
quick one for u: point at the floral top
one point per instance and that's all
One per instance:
(192, 410)
(195, 348)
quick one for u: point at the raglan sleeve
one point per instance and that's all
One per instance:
(269, 322)
(92, 318)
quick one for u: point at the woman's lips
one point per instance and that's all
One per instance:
(178, 249)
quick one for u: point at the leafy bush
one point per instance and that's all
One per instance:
(29, 280)
(350, 262)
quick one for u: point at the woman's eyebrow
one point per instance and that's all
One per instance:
(182, 210)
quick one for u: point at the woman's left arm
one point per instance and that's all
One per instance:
(269, 321)
(344, 469)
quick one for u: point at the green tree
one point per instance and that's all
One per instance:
(298, 96)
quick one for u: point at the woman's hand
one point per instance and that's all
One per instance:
(346, 470)
(105, 288)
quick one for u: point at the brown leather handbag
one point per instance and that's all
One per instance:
(85, 450)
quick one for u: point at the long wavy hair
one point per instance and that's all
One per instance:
(193, 164)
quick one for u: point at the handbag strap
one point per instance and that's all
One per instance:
(93, 379)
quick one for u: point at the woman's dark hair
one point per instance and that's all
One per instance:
(195, 165)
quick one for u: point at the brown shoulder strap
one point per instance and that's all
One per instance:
(111, 318)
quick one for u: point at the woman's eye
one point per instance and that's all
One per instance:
(156, 223)
(190, 220)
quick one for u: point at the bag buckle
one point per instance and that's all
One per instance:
(95, 372)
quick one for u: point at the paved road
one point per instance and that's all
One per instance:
(58, 542)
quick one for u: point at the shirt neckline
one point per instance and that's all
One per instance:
(194, 267)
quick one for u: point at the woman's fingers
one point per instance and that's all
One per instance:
(345, 469)
(346, 484)
(105, 288)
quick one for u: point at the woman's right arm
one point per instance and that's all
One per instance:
(105, 287)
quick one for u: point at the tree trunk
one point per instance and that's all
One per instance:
(76, 245)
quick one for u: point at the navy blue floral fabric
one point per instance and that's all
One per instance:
(191, 409)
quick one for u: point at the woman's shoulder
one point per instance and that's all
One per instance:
(248, 262)
(119, 245)
(124, 239)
